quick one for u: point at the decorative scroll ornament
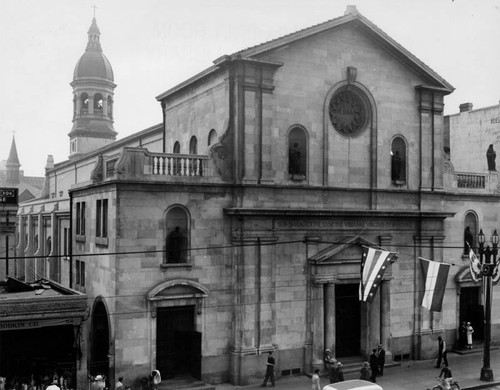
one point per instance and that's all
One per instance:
(347, 112)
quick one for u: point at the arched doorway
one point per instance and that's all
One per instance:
(99, 340)
(177, 306)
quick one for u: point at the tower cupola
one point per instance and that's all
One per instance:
(93, 91)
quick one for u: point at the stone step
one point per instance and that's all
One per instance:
(185, 383)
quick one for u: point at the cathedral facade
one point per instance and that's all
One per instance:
(236, 227)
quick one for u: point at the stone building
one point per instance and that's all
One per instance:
(236, 226)
(280, 162)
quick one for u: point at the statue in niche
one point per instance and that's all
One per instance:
(294, 159)
(468, 240)
(175, 246)
(490, 157)
(396, 166)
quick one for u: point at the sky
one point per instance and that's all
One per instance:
(154, 45)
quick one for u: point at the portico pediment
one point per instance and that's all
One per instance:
(340, 262)
(346, 250)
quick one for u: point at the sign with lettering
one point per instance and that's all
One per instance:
(8, 195)
(31, 324)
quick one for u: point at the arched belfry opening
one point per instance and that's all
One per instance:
(176, 308)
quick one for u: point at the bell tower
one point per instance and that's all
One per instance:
(93, 90)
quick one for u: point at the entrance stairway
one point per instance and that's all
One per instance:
(184, 383)
(352, 364)
(477, 348)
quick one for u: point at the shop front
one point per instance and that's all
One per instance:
(40, 334)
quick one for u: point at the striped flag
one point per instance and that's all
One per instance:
(373, 265)
(435, 276)
(474, 266)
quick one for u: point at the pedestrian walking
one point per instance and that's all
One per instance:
(315, 380)
(119, 384)
(269, 370)
(53, 386)
(470, 330)
(331, 369)
(381, 359)
(154, 379)
(374, 365)
(339, 372)
(365, 372)
(463, 335)
(442, 354)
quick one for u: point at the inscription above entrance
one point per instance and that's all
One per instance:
(345, 224)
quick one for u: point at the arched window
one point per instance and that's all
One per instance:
(193, 145)
(398, 161)
(85, 102)
(297, 153)
(177, 147)
(110, 107)
(470, 231)
(177, 235)
(212, 137)
(98, 102)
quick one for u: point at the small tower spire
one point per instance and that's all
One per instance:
(13, 164)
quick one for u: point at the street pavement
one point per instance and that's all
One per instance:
(418, 375)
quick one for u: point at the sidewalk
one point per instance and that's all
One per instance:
(411, 375)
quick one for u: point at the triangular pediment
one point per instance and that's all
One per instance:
(347, 248)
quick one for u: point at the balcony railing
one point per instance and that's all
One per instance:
(178, 165)
(465, 180)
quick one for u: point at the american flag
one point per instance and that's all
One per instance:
(374, 263)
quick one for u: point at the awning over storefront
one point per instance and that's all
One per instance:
(38, 304)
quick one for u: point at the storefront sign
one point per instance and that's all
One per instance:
(31, 324)
(8, 195)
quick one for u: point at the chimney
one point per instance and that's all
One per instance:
(465, 107)
(350, 9)
(50, 162)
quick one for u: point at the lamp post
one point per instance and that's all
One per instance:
(487, 267)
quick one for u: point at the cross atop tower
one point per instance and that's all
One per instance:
(94, 6)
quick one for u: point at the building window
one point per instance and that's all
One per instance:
(297, 153)
(65, 242)
(80, 219)
(193, 145)
(101, 226)
(177, 237)
(398, 161)
(177, 147)
(80, 273)
(348, 111)
(212, 137)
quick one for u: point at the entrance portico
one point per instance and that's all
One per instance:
(339, 321)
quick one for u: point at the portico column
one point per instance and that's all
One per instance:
(329, 294)
(385, 303)
(374, 315)
(317, 326)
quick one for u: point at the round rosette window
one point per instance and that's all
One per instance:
(348, 112)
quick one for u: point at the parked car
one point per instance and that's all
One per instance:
(356, 384)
